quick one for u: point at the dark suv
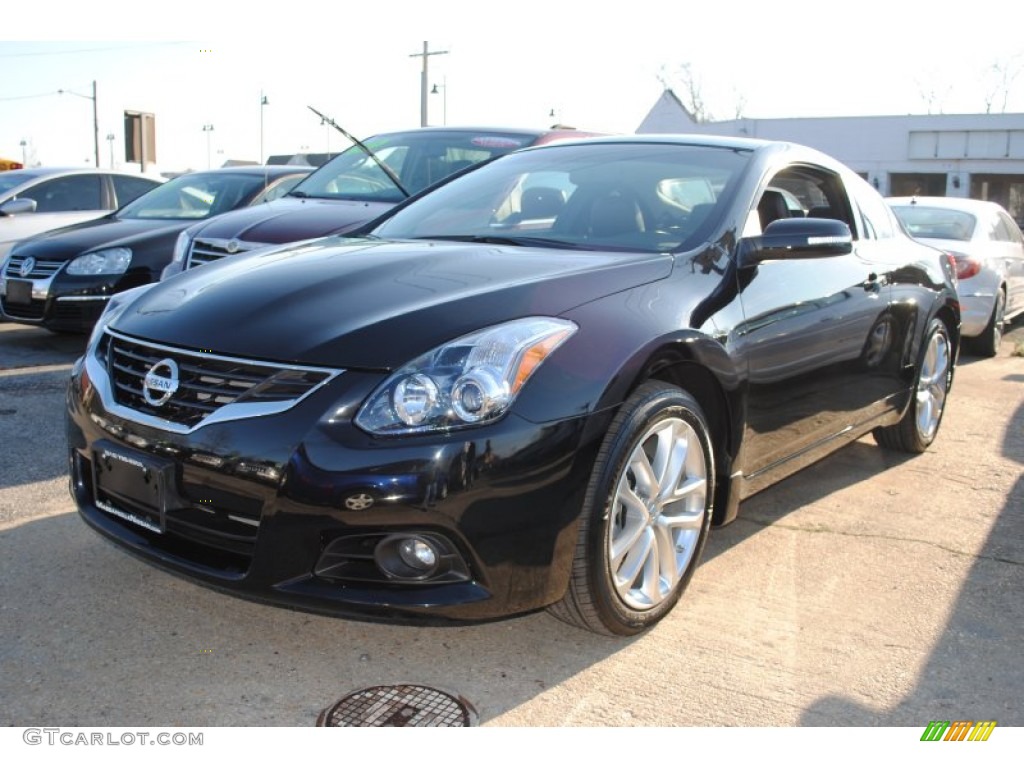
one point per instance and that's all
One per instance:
(352, 189)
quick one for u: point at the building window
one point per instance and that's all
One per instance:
(923, 184)
(1003, 188)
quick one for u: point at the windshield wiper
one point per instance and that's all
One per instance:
(540, 242)
(383, 166)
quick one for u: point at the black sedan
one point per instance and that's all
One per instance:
(538, 385)
(62, 279)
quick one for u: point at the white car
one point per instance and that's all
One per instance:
(989, 250)
(35, 200)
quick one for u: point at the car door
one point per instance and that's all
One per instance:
(818, 334)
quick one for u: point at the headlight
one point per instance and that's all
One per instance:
(117, 304)
(468, 381)
(109, 261)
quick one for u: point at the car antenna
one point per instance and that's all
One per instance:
(383, 166)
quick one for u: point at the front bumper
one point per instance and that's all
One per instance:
(61, 302)
(288, 508)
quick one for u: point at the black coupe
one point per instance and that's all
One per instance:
(538, 385)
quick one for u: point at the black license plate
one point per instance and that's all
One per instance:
(132, 486)
(19, 291)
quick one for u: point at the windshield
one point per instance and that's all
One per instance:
(418, 159)
(194, 196)
(9, 180)
(640, 197)
(937, 223)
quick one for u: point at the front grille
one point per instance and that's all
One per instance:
(41, 270)
(205, 383)
(203, 251)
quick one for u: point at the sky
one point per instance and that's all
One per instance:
(518, 64)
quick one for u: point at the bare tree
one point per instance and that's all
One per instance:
(932, 96)
(686, 84)
(999, 78)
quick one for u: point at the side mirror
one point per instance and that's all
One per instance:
(21, 205)
(797, 239)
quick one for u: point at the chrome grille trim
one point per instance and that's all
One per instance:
(213, 388)
(204, 250)
(42, 270)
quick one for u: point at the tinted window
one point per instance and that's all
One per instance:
(195, 196)
(418, 159)
(127, 188)
(279, 188)
(819, 192)
(938, 223)
(9, 180)
(599, 196)
(72, 193)
(878, 218)
(1012, 230)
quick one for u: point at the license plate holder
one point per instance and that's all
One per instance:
(19, 291)
(133, 486)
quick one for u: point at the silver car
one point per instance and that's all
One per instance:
(989, 251)
(34, 200)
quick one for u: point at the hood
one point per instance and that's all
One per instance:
(371, 304)
(290, 219)
(69, 242)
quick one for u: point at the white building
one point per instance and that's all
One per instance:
(979, 156)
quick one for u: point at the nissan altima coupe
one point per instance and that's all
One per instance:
(537, 386)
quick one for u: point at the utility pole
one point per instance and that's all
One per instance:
(424, 79)
(95, 118)
(95, 125)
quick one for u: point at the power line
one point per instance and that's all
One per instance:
(89, 50)
(34, 96)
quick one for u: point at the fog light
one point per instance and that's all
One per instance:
(417, 553)
(410, 557)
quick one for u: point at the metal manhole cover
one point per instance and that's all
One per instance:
(399, 706)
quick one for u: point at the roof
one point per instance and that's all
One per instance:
(957, 203)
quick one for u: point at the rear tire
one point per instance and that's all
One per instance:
(987, 344)
(920, 424)
(645, 517)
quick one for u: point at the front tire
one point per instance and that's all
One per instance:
(645, 517)
(920, 424)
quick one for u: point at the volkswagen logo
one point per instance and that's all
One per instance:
(233, 246)
(161, 382)
(27, 266)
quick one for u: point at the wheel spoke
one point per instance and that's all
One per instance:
(624, 538)
(692, 486)
(646, 477)
(635, 561)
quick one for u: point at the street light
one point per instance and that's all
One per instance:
(24, 153)
(208, 130)
(110, 138)
(423, 79)
(263, 104)
(95, 118)
(443, 88)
